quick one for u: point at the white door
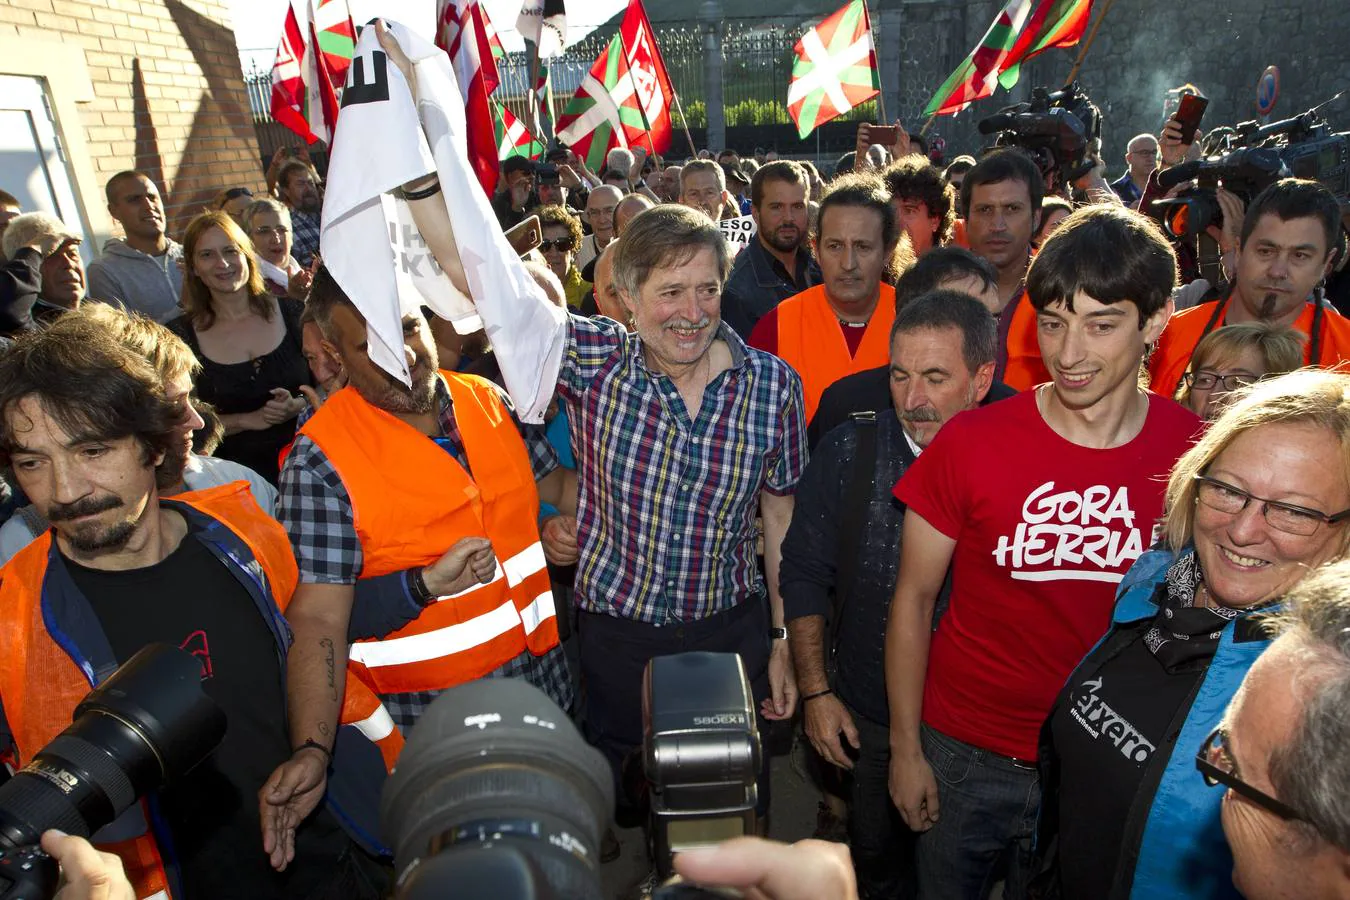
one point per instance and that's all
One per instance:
(33, 164)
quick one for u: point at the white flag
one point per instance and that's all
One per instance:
(545, 23)
(374, 250)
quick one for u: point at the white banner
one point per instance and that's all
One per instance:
(739, 232)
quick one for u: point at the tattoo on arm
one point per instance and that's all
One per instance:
(329, 662)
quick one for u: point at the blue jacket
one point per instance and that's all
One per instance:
(1174, 847)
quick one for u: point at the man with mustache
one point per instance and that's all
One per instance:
(843, 325)
(144, 272)
(91, 434)
(778, 262)
(1286, 249)
(176, 365)
(844, 544)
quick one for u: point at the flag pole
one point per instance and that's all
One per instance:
(535, 124)
(693, 151)
(1082, 52)
(881, 94)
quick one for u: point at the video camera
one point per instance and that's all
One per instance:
(497, 795)
(1058, 130)
(148, 724)
(1248, 159)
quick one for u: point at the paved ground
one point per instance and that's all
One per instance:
(794, 817)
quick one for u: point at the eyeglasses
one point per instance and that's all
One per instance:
(236, 193)
(1300, 520)
(265, 230)
(1205, 381)
(1216, 765)
(561, 245)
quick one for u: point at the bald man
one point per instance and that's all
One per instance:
(607, 302)
(1141, 156)
(600, 207)
(629, 207)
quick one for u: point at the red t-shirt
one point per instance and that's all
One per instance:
(1044, 531)
(764, 336)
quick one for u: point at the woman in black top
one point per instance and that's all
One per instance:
(247, 340)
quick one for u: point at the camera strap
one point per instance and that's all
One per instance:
(1314, 350)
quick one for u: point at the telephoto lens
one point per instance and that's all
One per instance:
(496, 795)
(145, 726)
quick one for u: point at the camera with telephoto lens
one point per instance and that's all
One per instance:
(1248, 159)
(147, 725)
(1058, 130)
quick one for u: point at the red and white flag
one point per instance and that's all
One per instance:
(653, 94)
(321, 102)
(464, 32)
(288, 88)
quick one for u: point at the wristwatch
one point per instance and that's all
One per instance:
(779, 633)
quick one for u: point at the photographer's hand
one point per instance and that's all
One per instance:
(806, 870)
(86, 873)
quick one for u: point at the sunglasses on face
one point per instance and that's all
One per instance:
(560, 245)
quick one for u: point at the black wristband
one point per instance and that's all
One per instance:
(430, 190)
(823, 693)
(418, 583)
(310, 742)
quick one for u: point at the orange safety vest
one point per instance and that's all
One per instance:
(810, 340)
(40, 685)
(411, 502)
(1026, 367)
(1328, 341)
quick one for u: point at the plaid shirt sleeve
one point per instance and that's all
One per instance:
(591, 343)
(788, 463)
(316, 511)
(543, 458)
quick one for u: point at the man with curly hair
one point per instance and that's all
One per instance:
(924, 202)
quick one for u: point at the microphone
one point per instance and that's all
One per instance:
(1170, 178)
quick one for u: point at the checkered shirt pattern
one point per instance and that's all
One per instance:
(316, 510)
(667, 506)
(304, 237)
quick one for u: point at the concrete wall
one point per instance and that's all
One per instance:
(148, 84)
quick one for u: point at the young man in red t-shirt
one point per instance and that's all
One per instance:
(1039, 504)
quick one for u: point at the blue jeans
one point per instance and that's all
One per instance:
(987, 807)
(882, 844)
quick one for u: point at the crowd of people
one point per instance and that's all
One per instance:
(995, 500)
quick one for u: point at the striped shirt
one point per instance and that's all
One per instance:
(667, 506)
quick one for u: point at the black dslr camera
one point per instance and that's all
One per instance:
(1248, 159)
(1058, 130)
(147, 725)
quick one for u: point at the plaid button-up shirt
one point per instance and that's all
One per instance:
(304, 237)
(316, 510)
(667, 506)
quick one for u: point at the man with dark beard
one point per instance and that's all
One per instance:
(778, 263)
(298, 186)
(93, 435)
(1287, 248)
(434, 481)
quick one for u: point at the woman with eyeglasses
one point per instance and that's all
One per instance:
(268, 226)
(561, 239)
(1234, 356)
(1259, 502)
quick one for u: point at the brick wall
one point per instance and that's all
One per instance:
(168, 93)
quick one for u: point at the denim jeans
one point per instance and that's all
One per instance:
(882, 845)
(987, 807)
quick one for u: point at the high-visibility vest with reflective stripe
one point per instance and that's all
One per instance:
(40, 684)
(810, 340)
(411, 502)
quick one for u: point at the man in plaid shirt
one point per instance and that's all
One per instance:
(682, 435)
(298, 186)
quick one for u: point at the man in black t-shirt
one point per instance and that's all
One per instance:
(90, 436)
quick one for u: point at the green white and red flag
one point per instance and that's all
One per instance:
(1021, 30)
(836, 68)
(625, 99)
(513, 138)
(337, 38)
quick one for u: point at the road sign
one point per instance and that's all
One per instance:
(1267, 90)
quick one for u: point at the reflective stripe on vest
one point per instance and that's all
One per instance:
(411, 502)
(811, 340)
(40, 685)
